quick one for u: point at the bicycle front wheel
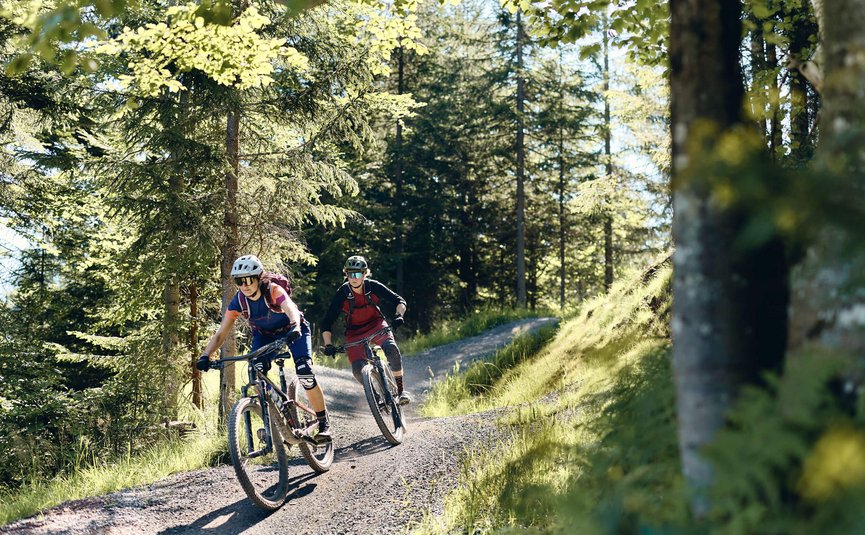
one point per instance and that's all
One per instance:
(320, 456)
(388, 416)
(262, 471)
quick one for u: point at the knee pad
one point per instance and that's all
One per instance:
(394, 358)
(305, 375)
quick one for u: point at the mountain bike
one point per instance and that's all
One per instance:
(380, 388)
(267, 418)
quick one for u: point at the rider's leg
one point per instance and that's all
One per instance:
(356, 368)
(301, 349)
(394, 359)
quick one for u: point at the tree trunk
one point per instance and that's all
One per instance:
(758, 64)
(562, 222)
(775, 141)
(828, 304)
(171, 290)
(397, 178)
(229, 254)
(193, 346)
(521, 169)
(608, 159)
(706, 92)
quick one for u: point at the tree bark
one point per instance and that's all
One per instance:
(521, 169)
(608, 159)
(562, 222)
(397, 178)
(193, 346)
(828, 305)
(706, 94)
(228, 255)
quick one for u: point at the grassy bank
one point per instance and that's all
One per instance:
(597, 442)
(593, 444)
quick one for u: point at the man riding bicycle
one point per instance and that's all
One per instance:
(272, 315)
(358, 298)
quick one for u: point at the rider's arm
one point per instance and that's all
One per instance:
(289, 308)
(330, 317)
(218, 337)
(383, 292)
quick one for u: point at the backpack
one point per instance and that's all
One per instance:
(266, 280)
(367, 291)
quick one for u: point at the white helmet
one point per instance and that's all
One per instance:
(246, 266)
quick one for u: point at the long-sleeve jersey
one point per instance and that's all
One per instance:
(364, 314)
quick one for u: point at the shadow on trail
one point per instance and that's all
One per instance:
(243, 514)
(362, 448)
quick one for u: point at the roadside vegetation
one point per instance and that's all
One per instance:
(88, 476)
(593, 446)
(593, 415)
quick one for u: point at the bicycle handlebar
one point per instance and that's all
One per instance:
(342, 348)
(271, 347)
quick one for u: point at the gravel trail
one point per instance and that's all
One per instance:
(372, 487)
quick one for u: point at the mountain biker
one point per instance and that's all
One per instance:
(260, 296)
(358, 298)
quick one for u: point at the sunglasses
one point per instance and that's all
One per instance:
(243, 281)
(354, 274)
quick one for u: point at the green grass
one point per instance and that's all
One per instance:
(154, 464)
(205, 447)
(593, 442)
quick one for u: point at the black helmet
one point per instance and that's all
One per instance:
(356, 263)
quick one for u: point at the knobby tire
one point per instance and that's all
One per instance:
(249, 470)
(384, 420)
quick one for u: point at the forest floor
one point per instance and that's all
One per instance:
(372, 487)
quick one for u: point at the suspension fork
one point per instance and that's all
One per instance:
(265, 413)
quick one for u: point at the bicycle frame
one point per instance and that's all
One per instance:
(292, 433)
(375, 361)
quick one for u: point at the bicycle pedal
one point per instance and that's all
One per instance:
(261, 434)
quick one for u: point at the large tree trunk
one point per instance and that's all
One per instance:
(608, 164)
(521, 169)
(729, 316)
(228, 255)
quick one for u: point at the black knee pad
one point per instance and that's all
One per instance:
(394, 357)
(303, 368)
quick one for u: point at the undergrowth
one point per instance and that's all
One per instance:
(206, 446)
(596, 451)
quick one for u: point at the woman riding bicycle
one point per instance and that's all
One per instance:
(272, 315)
(358, 298)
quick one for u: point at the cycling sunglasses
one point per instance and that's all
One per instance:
(242, 281)
(354, 274)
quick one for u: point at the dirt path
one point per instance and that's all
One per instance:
(372, 487)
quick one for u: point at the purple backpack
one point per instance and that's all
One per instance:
(266, 280)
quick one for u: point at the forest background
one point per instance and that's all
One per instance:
(479, 155)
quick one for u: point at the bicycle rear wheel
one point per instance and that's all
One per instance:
(320, 456)
(388, 416)
(262, 474)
